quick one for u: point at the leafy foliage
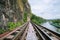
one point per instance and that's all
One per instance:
(1, 31)
(24, 1)
(12, 25)
(25, 17)
(19, 5)
(36, 19)
(56, 23)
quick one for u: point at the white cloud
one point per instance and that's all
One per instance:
(49, 8)
(47, 1)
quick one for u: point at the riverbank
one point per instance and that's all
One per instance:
(51, 27)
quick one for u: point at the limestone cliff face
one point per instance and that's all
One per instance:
(13, 10)
(24, 7)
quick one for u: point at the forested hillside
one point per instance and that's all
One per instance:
(37, 20)
(56, 23)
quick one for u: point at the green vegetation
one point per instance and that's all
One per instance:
(17, 10)
(1, 31)
(58, 30)
(12, 25)
(24, 1)
(37, 20)
(25, 17)
(56, 23)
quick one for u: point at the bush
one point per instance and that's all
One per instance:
(12, 25)
(25, 17)
(2, 31)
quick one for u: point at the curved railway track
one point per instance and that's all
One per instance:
(17, 33)
(46, 34)
(41, 33)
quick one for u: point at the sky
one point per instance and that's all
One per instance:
(48, 9)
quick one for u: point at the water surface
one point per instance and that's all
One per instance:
(49, 26)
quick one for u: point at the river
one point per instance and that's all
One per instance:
(49, 26)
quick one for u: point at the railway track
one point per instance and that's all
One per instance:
(40, 34)
(21, 33)
(45, 34)
(16, 34)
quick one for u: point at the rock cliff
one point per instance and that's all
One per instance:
(13, 11)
